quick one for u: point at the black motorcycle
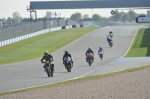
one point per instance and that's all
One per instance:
(110, 43)
(49, 68)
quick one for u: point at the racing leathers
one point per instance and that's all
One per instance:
(67, 55)
(109, 39)
(100, 50)
(111, 34)
(87, 52)
(47, 58)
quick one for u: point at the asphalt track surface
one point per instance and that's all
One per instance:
(31, 73)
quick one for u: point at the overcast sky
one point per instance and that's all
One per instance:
(7, 7)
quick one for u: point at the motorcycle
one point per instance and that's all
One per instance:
(101, 53)
(49, 67)
(68, 63)
(110, 43)
(89, 58)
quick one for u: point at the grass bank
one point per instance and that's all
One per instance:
(77, 80)
(141, 45)
(34, 47)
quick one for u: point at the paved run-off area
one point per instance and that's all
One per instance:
(129, 85)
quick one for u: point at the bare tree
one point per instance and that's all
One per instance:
(16, 17)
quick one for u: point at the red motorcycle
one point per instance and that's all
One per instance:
(90, 58)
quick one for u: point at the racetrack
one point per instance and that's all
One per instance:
(31, 73)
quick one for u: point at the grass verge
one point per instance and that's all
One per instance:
(34, 47)
(77, 80)
(141, 45)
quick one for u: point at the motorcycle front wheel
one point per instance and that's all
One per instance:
(90, 62)
(48, 72)
(69, 67)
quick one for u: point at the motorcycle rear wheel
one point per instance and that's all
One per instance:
(101, 56)
(68, 69)
(89, 64)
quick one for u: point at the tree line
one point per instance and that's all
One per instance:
(130, 15)
(16, 18)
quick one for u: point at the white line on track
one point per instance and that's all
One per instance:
(110, 62)
(59, 49)
(54, 53)
(132, 41)
(85, 73)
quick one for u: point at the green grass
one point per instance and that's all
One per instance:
(77, 80)
(141, 44)
(34, 47)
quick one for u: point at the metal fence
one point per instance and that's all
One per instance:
(27, 28)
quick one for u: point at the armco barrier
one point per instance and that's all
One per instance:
(75, 26)
(81, 25)
(67, 27)
(13, 40)
(55, 29)
(64, 27)
(70, 26)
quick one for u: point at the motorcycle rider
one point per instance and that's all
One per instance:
(47, 57)
(89, 51)
(109, 38)
(100, 50)
(67, 55)
(111, 34)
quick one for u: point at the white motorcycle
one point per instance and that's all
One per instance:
(49, 67)
(101, 54)
(68, 63)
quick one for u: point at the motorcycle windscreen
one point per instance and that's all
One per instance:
(68, 59)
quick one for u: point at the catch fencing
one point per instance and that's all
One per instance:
(15, 31)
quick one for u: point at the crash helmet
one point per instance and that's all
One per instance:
(46, 53)
(66, 51)
(110, 32)
(100, 47)
(89, 48)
